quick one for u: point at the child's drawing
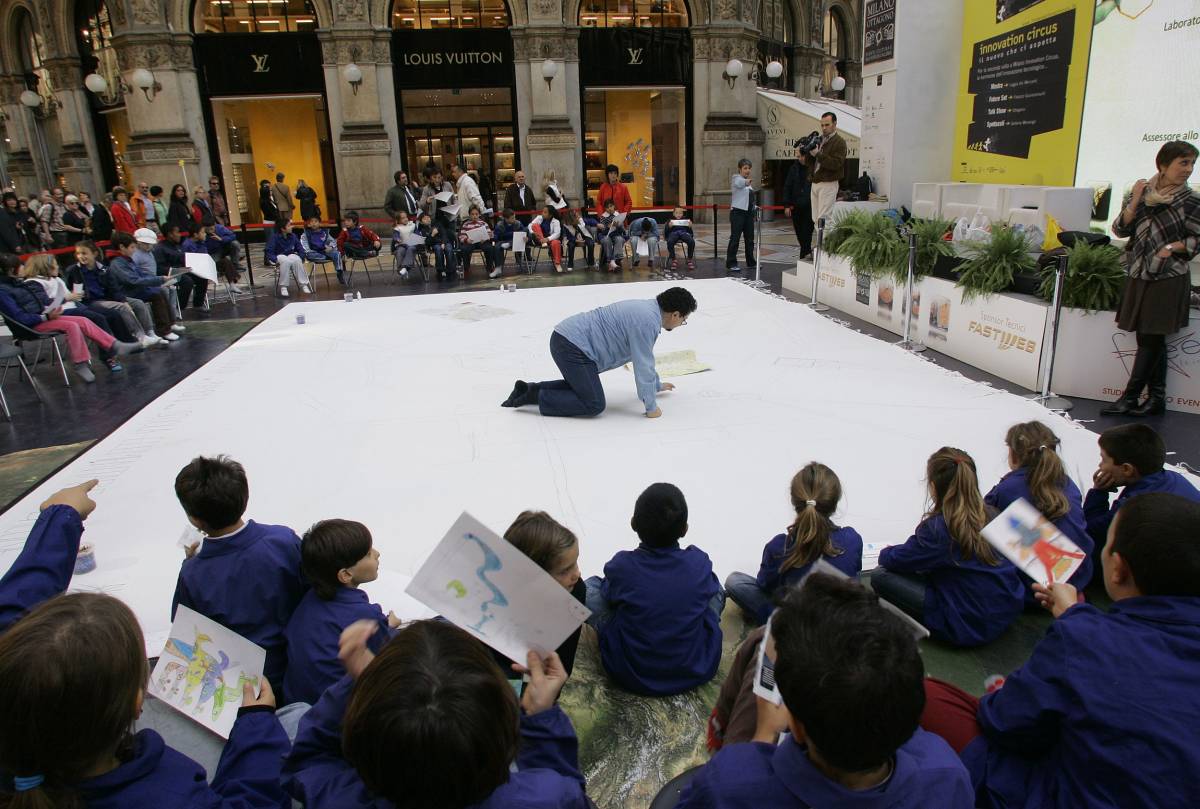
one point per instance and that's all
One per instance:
(1032, 543)
(203, 676)
(503, 598)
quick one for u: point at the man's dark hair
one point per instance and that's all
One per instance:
(279, 177)
(660, 515)
(329, 547)
(396, 177)
(676, 299)
(611, 168)
(1137, 445)
(155, 190)
(1173, 149)
(831, 116)
(432, 720)
(9, 195)
(122, 239)
(849, 671)
(213, 490)
(1156, 534)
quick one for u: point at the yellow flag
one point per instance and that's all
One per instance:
(1052, 230)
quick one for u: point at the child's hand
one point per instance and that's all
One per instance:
(393, 620)
(772, 720)
(265, 696)
(191, 550)
(352, 646)
(1058, 597)
(1103, 480)
(546, 679)
(76, 497)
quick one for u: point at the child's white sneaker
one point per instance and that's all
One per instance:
(283, 292)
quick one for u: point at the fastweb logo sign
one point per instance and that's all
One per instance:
(1004, 339)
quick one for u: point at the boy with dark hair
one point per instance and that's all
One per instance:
(658, 608)
(1104, 713)
(1131, 456)
(355, 240)
(851, 679)
(585, 345)
(611, 235)
(336, 556)
(244, 575)
(433, 721)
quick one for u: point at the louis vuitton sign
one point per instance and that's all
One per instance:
(260, 64)
(635, 56)
(455, 59)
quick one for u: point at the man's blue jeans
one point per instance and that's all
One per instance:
(579, 392)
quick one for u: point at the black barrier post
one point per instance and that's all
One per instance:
(716, 254)
(249, 261)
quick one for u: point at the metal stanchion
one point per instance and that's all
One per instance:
(812, 298)
(758, 245)
(915, 346)
(716, 236)
(1046, 397)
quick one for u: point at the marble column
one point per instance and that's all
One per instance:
(551, 144)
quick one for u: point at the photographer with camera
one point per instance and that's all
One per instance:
(830, 158)
(797, 189)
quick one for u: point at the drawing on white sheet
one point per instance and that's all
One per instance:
(491, 563)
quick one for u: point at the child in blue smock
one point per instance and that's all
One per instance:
(432, 721)
(244, 575)
(946, 575)
(1131, 456)
(658, 608)
(336, 556)
(1104, 714)
(74, 671)
(788, 557)
(1039, 478)
(851, 679)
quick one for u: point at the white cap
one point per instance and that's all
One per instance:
(145, 236)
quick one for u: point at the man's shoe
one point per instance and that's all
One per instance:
(517, 397)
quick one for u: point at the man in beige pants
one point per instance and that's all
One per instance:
(830, 156)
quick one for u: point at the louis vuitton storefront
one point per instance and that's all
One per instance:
(265, 112)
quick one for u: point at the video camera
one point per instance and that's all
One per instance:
(809, 142)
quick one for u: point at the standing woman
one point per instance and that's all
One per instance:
(306, 195)
(1161, 219)
(179, 212)
(270, 214)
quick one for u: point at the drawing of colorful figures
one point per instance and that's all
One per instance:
(203, 671)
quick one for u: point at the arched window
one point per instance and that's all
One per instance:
(835, 34)
(253, 16)
(633, 14)
(29, 47)
(438, 14)
(96, 51)
(775, 21)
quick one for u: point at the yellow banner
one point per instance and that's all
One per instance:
(1021, 86)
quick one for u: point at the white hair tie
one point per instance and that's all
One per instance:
(812, 503)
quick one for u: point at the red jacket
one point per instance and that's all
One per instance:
(122, 218)
(367, 241)
(618, 193)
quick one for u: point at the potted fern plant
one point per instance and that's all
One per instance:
(991, 265)
(1094, 278)
(873, 247)
(847, 223)
(930, 247)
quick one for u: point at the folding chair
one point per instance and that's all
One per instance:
(349, 262)
(519, 243)
(23, 334)
(323, 263)
(8, 353)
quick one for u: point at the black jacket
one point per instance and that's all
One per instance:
(797, 186)
(11, 238)
(102, 226)
(180, 213)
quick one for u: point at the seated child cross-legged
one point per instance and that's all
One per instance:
(1131, 456)
(244, 575)
(946, 575)
(658, 608)
(1104, 713)
(554, 549)
(74, 671)
(1039, 478)
(336, 556)
(851, 679)
(432, 721)
(788, 557)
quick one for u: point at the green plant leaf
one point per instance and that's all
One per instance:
(929, 234)
(1094, 281)
(991, 265)
(873, 246)
(837, 231)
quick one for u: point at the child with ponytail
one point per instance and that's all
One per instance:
(946, 575)
(787, 558)
(1039, 478)
(74, 672)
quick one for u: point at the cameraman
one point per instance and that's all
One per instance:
(797, 203)
(830, 156)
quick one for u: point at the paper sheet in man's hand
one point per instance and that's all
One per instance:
(676, 363)
(478, 581)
